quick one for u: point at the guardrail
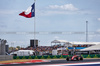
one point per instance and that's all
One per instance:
(54, 56)
(5, 57)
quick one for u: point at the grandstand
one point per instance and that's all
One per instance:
(85, 47)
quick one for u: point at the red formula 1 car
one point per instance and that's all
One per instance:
(74, 57)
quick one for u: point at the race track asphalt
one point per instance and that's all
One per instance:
(57, 61)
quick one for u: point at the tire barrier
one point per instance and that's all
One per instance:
(54, 56)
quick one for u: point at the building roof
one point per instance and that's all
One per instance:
(95, 47)
(75, 43)
(15, 52)
(85, 43)
(59, 41)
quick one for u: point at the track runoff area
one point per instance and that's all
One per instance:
(57, 62)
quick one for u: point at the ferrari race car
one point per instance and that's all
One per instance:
(74, 57)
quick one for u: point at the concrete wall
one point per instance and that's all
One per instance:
(6, 57)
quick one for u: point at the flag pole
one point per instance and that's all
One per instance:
(34, 28)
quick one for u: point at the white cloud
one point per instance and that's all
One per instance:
(98, 19)
(92, 37)
(53, 12)
(69, 7)
(56, 37)
(8, 12)
(98, 30)
(94, 34)
(61, 9)
(19, 43)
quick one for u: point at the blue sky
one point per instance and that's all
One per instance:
(51, 16)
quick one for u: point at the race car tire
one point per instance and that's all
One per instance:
(81, 58)
(67, 58)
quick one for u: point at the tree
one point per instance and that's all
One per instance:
(18, 47)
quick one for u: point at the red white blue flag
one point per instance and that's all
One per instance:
(30, 12)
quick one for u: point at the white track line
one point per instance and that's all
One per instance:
(86, 63)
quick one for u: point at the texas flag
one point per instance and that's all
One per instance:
(30, 12)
